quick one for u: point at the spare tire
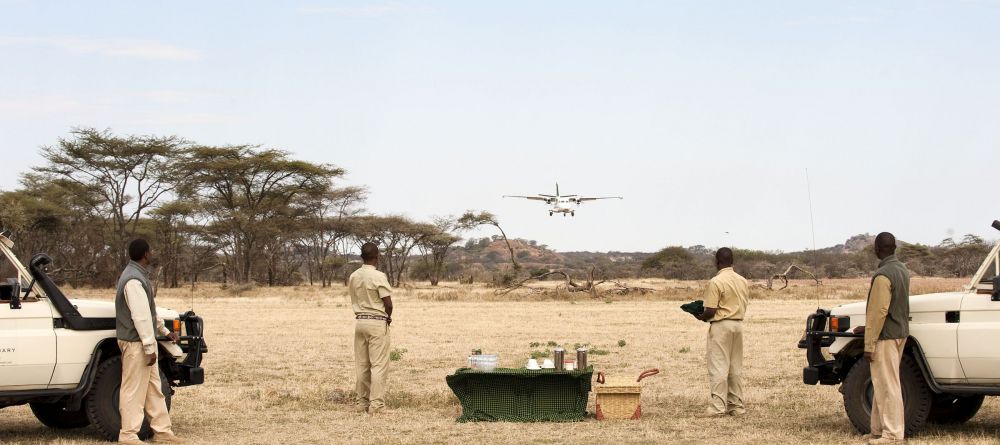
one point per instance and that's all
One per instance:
(859, 394)
(101, 402)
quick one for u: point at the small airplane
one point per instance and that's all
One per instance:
(562, 203)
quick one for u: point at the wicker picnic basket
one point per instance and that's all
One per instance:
(619, 400)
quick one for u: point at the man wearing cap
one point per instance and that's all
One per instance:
(725, 300)
(372, 303)
(887, 325)
(136, 327)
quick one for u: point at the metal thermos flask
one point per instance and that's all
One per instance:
(581, 359)
(558, 355)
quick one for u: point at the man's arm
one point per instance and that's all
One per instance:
(138, 305)
(709, 313)
(711, 301)
(161, 328)
(385, 293)
(878, 309)
(387, 301)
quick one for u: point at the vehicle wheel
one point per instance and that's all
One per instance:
(55, 415)
(949, 409)
(101, 402)
(859, 394)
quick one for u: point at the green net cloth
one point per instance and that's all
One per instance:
(521, 395)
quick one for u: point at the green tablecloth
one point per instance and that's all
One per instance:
(521, 395)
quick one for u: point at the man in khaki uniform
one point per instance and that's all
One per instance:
(372, 303)
(136, 326)
(725, 300)
(887, 325)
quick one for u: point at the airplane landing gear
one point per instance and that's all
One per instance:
(550, 213)
(572, 213)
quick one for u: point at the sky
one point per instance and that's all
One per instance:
(704, 115)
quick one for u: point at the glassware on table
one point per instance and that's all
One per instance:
(483, 362)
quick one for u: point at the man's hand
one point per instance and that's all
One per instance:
(151, 359)
(869, 357)
(859, 330)
(388, 321)
(174, 337)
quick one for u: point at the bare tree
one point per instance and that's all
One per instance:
(470, 220)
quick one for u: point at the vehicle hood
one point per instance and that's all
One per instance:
(106, 309)
(940, 302)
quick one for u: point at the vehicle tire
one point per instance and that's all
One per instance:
(859, 393)
(950, 409)
(55, 415)
(101, 402)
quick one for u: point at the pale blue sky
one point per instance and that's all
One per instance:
(703, 114)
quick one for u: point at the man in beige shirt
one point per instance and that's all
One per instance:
(886, 329)
(136, 326)
(372, 303)
(725, 299)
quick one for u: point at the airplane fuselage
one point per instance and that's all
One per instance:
(565, 204)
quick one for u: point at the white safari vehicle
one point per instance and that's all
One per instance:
(61, 355)
(951, 361)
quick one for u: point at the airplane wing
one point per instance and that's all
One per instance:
(596, 198)
(533, 198)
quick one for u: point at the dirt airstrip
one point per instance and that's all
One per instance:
(280, 366)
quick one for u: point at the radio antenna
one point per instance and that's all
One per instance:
(812, 223)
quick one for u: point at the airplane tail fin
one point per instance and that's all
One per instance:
(557, 189)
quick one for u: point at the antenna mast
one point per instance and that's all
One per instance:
(812, 223)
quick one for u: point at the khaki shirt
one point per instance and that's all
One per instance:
(877, 310)
(730, 293)
(368, 287)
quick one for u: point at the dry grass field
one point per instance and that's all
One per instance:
(280, 366)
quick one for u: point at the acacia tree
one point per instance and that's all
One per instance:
(248, 192)
(325, 230)
(128, 173)
(396, 237)
(435, 247)
(58, 217)
(470, 220)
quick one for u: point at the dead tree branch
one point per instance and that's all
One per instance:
(591, 285)
(784, 277)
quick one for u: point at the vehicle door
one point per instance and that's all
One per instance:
(27, 342)
(979, 336)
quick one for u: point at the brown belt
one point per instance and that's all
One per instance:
(371, 317)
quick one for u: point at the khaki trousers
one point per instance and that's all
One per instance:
(371, 358)
(725, 367)
(888, 418)
(140, 392)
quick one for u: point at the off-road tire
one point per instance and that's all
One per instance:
(101, 402)
(917, 395)
(55, 415)
(948, 409)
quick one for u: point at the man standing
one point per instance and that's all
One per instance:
(372, 303)
(136, 325)
(887, 325)
(725, 300)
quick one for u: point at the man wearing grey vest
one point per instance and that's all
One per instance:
(137, 326)
(886, 329)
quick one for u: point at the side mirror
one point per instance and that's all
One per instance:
(996, 289)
